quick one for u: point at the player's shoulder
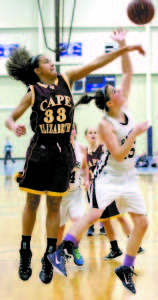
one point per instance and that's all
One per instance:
(105, 125)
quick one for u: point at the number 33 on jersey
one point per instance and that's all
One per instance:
(51, 109)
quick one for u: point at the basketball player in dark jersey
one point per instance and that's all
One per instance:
(94, 152)
(50, 157)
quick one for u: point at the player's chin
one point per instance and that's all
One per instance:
(54, 74)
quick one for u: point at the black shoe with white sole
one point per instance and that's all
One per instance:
(125, 275)
(115, 252)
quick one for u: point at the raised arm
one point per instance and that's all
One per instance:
(101, 61)
(119, 36)
(17, 113)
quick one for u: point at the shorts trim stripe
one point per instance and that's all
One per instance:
(113, 217)
(55, 193)
(31, 191)
(17, 175)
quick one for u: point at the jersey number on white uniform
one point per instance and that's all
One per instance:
(72, 178)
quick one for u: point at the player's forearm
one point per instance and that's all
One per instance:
(109, 57)
(10, 123)
(126, 61)
(124, 150)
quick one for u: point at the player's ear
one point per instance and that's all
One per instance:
(109, 103)
(37, 71)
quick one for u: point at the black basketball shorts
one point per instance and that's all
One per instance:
(47, 168)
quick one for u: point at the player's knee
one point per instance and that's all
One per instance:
(53, 204)
(92, 218)
(33, 202)
(142, 223)
(145, 223)
(121, 220)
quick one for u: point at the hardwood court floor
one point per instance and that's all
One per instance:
(96, 280)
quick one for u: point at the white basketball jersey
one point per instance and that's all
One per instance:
(75, 175)
(122, 131)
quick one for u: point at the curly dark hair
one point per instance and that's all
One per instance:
(21, 66)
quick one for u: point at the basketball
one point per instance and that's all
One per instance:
(140, 12)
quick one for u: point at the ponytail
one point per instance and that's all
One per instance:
(101, 97)
(85, 99)
(21, 66)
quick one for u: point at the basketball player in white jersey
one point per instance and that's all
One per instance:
(73, 204)
(94, 152)
(115, 177)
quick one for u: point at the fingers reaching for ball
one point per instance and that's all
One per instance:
(119, 35)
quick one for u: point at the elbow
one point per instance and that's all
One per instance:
(118, 157)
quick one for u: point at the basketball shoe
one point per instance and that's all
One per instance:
(25, 270)
(125, 275)
(78, 259)
(116, 252)
(58, 260)
(46, 273)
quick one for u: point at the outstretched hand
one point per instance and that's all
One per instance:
(139, 48)
(119, 36)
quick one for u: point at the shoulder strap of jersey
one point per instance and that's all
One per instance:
(31, 89)
(63, 76)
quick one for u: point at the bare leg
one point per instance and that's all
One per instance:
(29, 214)
(125, 272)
(78, 228)
(109, 230)
(60, 234)
(28, 222)
(136, 235)
(53, 216)
(125, 225)
(114, 250)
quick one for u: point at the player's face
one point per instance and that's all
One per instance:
(91, 135)
(73, 132)
(46, 67)
(115, 96)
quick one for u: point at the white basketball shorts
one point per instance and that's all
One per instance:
(123, 189)
(72, 206)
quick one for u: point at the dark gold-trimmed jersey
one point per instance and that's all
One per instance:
(51, 118)
(92, 160)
